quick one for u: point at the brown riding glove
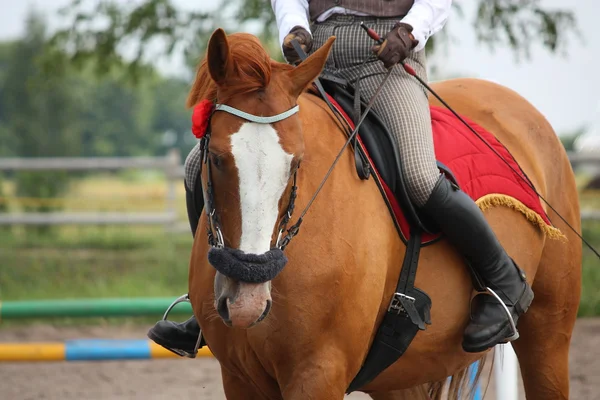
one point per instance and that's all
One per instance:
(303, 37)
(397, 45)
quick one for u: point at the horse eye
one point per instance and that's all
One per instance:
(216, 160)
(295, 164)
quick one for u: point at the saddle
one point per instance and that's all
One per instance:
(376, 152)
(377, 156)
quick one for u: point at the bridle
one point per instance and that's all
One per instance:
(214, 231)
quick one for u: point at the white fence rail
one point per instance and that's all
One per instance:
(172, 166)
(577, 159)
(167, 163)
(99, 218)
(593, 215)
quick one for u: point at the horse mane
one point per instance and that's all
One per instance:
(251, 69)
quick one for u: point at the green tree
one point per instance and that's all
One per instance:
(170, 119)
(38, 113)
(111, 120)
(38, 107)
(6, 141)
(516, 23)
(107, 115)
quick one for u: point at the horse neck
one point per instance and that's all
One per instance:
(323, 140)
(347, 236)
(353, 198)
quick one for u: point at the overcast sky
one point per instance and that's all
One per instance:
(565, 89)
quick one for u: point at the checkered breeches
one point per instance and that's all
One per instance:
(192, 166)
(402, 103)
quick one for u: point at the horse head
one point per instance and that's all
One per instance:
(252, 153)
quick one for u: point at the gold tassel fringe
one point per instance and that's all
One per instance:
(494, 200)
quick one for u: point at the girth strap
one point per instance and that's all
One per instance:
(408, 312)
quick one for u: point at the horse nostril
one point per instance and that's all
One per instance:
(265, 312)
(223, 310)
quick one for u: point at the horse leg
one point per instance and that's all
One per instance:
(543, 348)
(236, 388)
(312, 386)
(322, 379)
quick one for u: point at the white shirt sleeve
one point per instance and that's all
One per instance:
(288, 14)
(427, 17)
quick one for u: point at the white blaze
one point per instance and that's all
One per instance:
(264, 170)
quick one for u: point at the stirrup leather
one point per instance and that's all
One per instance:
(183, 299)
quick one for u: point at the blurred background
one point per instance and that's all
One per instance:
(94, 131)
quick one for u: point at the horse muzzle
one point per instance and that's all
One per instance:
(245, 306)
(242, 284)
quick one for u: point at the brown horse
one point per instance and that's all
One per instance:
(309, 339)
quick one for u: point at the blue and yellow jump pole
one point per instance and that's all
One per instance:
(96, 349)
(88, 350)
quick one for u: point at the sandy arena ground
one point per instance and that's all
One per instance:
(194, 379)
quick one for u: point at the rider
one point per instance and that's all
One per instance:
(403, 105)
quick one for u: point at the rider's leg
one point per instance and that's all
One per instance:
(181, 338)
(403, 105)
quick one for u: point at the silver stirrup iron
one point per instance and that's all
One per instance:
(513, 326)
(183, 299)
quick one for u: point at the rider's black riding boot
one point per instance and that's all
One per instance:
(463, 223)
(181, 338)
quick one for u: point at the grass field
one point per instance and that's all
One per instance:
(128, 191)
(97, 261)
(119, 261)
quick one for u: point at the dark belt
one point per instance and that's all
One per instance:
(359, 18)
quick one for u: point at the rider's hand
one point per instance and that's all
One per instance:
(397, 45)
(303, 37)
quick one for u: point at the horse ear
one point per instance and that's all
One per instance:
(309, 69)
(219, 58)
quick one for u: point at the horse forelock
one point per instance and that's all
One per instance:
(251, 71)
